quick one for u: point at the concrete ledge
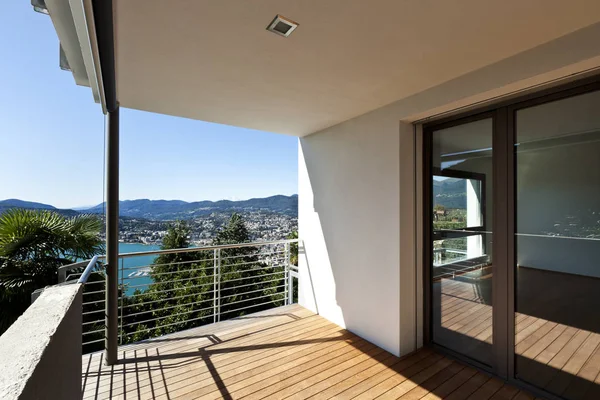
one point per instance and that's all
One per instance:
(40, 354)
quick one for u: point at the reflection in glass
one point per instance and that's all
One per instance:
(461, 270)
(557, 335)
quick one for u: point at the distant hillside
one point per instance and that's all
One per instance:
(450, 193)
(173, 209)
(16, 203)
(178, 209)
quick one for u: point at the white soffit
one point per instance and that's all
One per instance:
(215, 61)
(73, 22)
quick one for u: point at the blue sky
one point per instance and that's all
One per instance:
(52, 136)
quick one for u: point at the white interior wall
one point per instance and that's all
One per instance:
(482, 165)
(555, 188)
(558, 186)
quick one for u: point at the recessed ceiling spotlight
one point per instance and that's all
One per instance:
(282, 26)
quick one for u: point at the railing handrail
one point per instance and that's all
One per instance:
(272, 284)
(444, 249)
(88, 270)
(204, 248)
(62, 271)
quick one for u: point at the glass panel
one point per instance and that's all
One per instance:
(557, 338)
(462, 241)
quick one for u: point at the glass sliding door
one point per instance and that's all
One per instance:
(461, 238)
(512, 239)
(557, 239)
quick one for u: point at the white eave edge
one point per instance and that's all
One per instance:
(73, 21)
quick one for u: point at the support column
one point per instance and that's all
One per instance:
(112, 236)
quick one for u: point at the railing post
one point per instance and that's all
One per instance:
(218, 284)
(121, 301)
(215, 283)
(112, 237)
(289, 287)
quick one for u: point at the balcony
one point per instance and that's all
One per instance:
(285, 352)
(235, 333)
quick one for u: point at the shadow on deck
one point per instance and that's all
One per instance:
(280, 353)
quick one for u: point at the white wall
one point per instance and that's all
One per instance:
(350, 222)
(358, 206)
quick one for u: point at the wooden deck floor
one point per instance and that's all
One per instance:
(562, 359)
(287, 352)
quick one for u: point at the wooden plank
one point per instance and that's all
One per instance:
(351, 385)
(281, 361)
(405, 366)
(452, 384)
(523, 396)
(107, 382)
(389, 382)
(176, 342)
(556, 346)
(571, 369)
(318, 387)
(524, 344)
(506, 392)
(540, 345)
(409, 384)
(522, 334)
(313, 376)
(470, 386)
(295, 375)
(185, 363)
(308, 357)
(538, 372)
(203, 374)
(487, 390)
(431, 384)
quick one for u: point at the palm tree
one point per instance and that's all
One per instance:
(33, 245)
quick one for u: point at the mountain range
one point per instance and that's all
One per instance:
(450, 193)
(173, 209)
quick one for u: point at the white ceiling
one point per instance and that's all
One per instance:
(213, 60)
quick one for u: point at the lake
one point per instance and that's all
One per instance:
(135, 266)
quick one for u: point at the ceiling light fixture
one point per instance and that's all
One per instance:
(282, 26)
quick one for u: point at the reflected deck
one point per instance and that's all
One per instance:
(561, 358)
(280, 353)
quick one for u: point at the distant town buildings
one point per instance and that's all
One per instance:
(263, 226)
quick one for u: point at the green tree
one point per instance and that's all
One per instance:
(293, 248)
(33, 245)
(180, 296)
(247, 284)
(182, 293)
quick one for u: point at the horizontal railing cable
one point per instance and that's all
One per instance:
(222, 281)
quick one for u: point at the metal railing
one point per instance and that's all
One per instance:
(165, 291)
(88, 270)
(440, 256)
(457, 264)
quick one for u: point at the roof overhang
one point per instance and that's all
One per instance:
(215, 61)
(73, 21)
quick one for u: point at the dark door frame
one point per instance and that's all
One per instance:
(504, 217)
